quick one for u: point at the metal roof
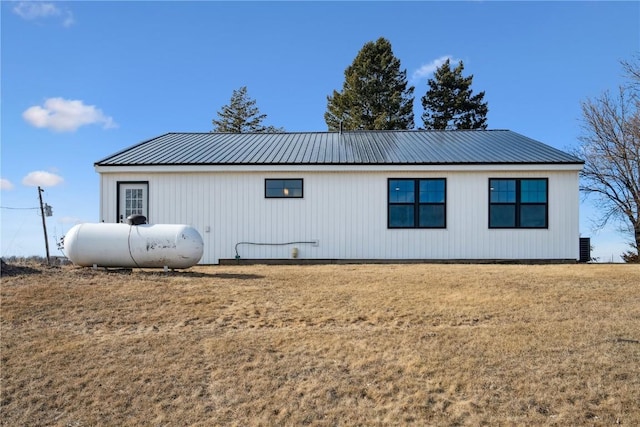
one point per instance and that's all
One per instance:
(424, 147)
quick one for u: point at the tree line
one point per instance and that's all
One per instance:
(376, 96)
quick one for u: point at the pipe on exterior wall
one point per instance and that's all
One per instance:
(309, 242)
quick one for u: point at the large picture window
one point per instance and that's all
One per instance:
(282, 188)
(417, 203)
(518, 203)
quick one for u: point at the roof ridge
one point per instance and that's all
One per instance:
(336, 131)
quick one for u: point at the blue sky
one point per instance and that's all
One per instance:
(82, 80)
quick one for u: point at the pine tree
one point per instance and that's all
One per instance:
(241, 116)
(374, 95)
(450, 104)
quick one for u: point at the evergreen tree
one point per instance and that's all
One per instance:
(450, 104)
(375, 93)
(241, 116)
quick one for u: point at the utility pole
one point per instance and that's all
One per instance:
(44, 223)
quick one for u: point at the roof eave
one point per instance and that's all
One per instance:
(337, 167)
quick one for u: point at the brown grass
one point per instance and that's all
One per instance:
(323, 345)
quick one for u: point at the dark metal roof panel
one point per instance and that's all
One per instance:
(347, 148)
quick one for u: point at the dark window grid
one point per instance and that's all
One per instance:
(283, 188)
(406, 190)
(533, 191)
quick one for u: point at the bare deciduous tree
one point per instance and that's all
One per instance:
(611, 151)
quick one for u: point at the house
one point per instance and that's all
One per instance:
(480, 195)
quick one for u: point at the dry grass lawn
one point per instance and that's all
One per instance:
(347, 345)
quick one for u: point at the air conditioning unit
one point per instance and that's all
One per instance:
(585, 249)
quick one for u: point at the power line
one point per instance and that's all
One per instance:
(8, 207)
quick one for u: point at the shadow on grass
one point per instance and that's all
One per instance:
(179, 273)
(17, 270)
(237, 276)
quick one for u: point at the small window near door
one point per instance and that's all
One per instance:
(283, 188)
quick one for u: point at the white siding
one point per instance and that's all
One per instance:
(346, 212)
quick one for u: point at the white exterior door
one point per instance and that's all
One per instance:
(133, 199)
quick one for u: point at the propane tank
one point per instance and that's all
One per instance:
(129, 245)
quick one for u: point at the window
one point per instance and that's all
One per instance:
(518, 203)
(282, 188)
(417, 203)
(133, 201)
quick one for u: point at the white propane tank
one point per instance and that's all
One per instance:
(124, 245)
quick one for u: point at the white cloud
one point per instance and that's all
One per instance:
(66, 115)
(32, 10)
(68, 19)
(5, 184)
(428, 69)
(42, 179)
